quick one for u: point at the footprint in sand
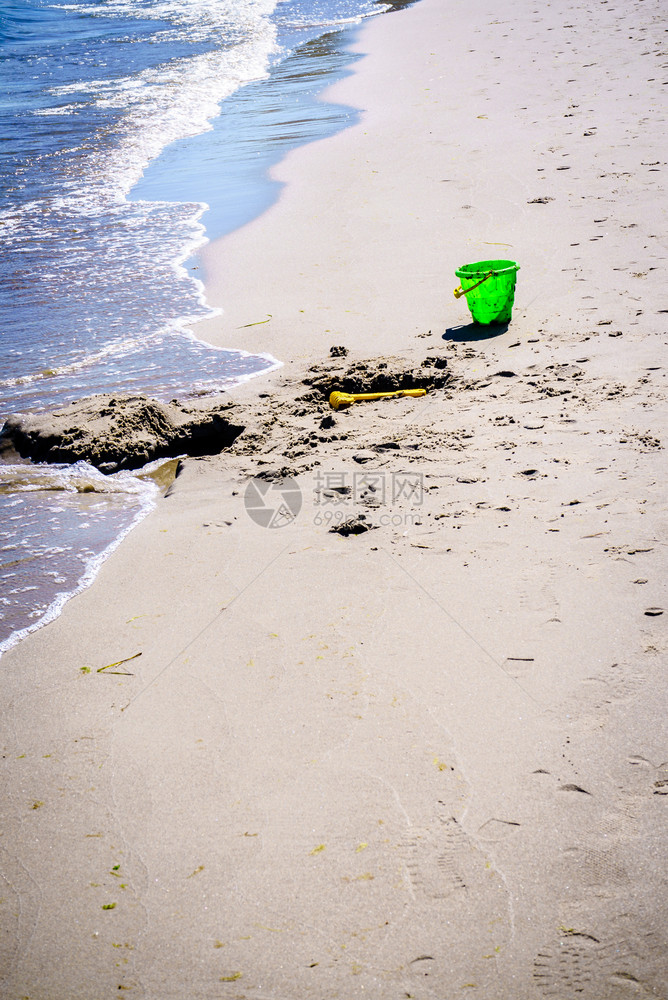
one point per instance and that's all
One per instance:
(575, 966)
(444, 859)
(597, 695)
(453, 885)
(653, 778)
(578, 965)
(436, 860)
(596, 868)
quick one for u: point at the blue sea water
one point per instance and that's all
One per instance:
(132, 132)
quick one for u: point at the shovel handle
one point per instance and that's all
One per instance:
(383, 395)
(464, 291)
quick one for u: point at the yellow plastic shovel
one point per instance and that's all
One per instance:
(339, 400)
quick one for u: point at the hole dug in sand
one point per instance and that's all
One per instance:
(377, 375)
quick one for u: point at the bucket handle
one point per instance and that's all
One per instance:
(458, 292)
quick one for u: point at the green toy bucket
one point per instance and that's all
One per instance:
(489, 287)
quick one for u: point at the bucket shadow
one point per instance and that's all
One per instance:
(467, 332)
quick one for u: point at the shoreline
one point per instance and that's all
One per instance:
(287, 88)
(426, 758)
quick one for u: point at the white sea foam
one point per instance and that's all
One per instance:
(140, 243)
(80, 477)
(338, 22)
(171, 101)
(62, 109)
(203, 16)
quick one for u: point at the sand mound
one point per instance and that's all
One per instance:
(120, 432)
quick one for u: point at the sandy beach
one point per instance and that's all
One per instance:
(425, 756)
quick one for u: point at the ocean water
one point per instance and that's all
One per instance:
(132, 132)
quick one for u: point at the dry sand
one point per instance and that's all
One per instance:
(430, 759)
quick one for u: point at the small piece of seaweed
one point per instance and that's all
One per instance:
(118, 663)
